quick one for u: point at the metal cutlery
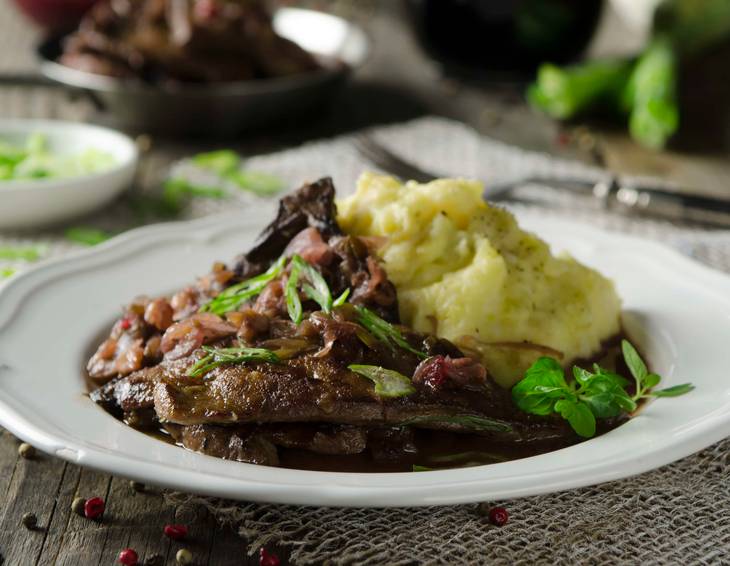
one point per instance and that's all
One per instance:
(611, 192)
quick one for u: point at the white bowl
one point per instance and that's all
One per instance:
(40, 202)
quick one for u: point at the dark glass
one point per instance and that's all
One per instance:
(504, 36)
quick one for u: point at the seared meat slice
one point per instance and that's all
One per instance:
(257, 444)
(243, 444)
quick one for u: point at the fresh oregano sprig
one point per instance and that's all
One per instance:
(597, 394)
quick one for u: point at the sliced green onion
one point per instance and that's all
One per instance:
(25, 253)
(318, 291)
(388, 383)
(223, 161)
(339, 301)
(293, 302)
(384, 331)
(235, 295)
(262, 184)
(221, 356)
(86, 235)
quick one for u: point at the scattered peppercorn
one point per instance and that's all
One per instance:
(30, 521)
(26, 451)
(155, 560)
(128, 557)
(184, 556)
(175, 532)
(77, 505)
(267, 558)
(94, 508)
(136, 486)
(498, 516)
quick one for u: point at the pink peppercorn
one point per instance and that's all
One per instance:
(94, 508)
(175, 532)
(128, 557)
(267, 558)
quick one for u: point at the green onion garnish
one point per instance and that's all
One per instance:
(293, 303)
(29, 253)
(235, 295)
(388, 383)
(220, 356)
(339, 301)
(318, 291)
(86, 235)
(384, 331)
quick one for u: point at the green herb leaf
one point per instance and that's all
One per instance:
(29, 253)
(262, 184)
(176, 191)
(579, 416)
(651, 380)
(235, 295)
(6, 272)
(220, 356)
(388, 383)
(471, 422)
(293, 302)
(384, 331)
(86, 235)
(674, 391)
(637, 367)
(543, 384)
(339, 301)
(318, 291)
(223, 161)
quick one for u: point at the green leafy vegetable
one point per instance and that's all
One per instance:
(293, 302)
(262, 184)
(339, 301)
(34, 160)
(223, 161)
(220, 356)
(86, 235)
(471, 422)
(388, 383)
(652, 95)
(235, 295)
(384, 331)
(597, 394)
(318, 291)
(21, 253)
(176, 191)
(564, 93)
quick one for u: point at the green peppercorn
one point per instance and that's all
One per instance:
(184, 556)
(77, 505)
(26, 451)
(30, 521)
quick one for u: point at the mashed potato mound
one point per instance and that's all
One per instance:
(464, 270)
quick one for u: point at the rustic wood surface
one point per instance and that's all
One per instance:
(397, 84)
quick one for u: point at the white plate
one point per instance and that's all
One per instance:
(40, 202)
(678, 311)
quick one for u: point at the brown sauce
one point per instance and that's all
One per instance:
(434, 449)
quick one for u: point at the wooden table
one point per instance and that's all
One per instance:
(397, 84)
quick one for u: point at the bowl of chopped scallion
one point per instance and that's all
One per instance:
(51, 171)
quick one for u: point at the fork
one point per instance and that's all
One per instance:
(610, 192)
(393, 164)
